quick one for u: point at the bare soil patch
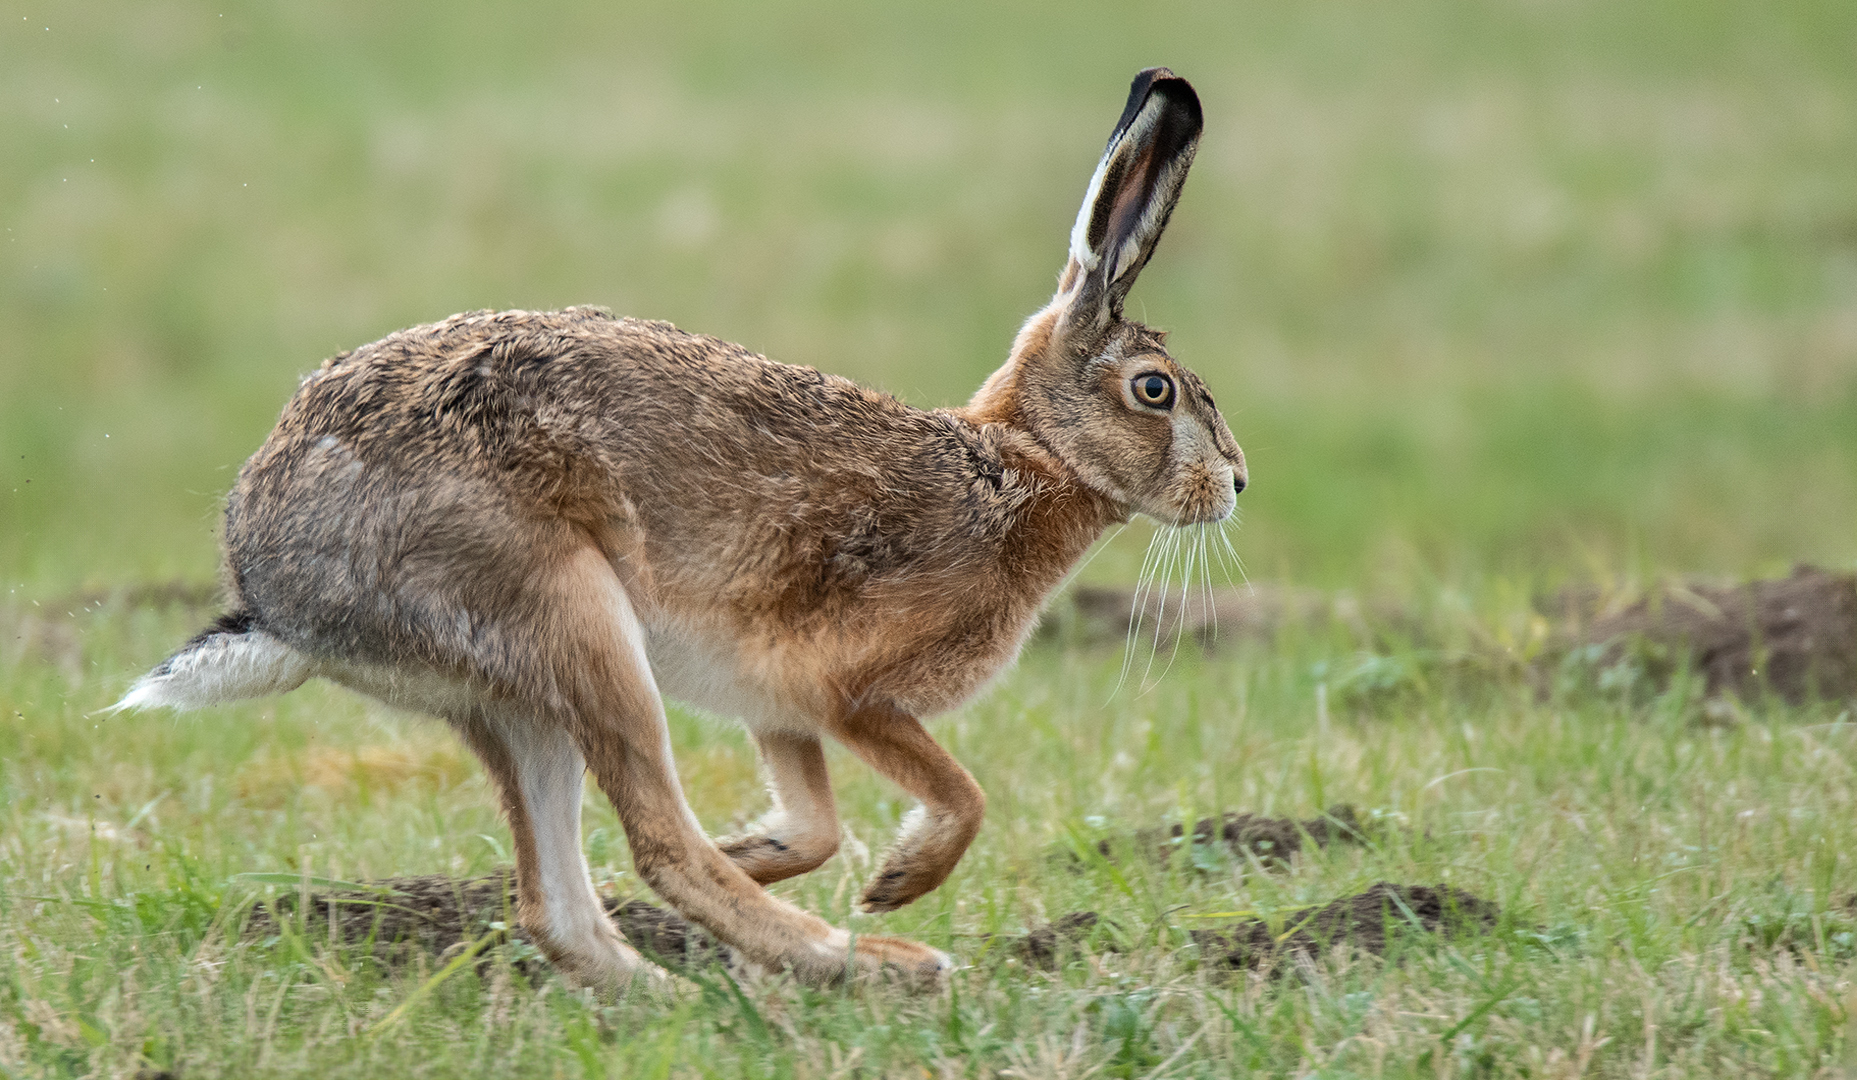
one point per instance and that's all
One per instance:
(1045, 945)
(1246, 834)
(1371, 921)
(430, 913)
(435, 914)
(1795, 637)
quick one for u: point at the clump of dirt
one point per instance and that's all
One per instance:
(1242, 833)
(435, 914)
(1369, 921)
(430, 914)
(1795, 637)
(1044, 944)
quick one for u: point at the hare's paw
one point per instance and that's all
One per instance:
(909, 962)
(768, 859)
(898, 885)
(837, 956)
(926, 851)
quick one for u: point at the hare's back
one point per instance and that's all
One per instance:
(510, 398)
(414, 488)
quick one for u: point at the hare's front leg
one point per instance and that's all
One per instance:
(935, 835)
(801, 831)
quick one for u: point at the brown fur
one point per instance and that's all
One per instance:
(526, 522)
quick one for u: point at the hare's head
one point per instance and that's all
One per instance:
(1100, 390)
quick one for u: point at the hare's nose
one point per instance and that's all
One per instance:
(1239, 481)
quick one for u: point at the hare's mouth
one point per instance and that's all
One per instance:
(1199, 512)
(1210, 496)
(1210, 515)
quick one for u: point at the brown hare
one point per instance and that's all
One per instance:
(532, 524)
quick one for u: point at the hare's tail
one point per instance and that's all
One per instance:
(229, 660)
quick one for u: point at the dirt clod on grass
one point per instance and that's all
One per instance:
(1242, 834)
(1794, 637)
(1044, 945)
(432, 913)
(435, 914)
(1369, 921)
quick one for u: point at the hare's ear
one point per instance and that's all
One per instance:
(1132, 194)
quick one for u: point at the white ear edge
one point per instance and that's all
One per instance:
(1080, 252)
(1131, 136)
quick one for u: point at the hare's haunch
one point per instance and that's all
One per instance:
(535, 524)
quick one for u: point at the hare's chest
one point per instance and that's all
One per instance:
(717, 675)
(798, 687)
(944, 671)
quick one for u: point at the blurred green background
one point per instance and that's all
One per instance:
(1540, 289)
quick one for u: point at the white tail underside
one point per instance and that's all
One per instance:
(222, 668)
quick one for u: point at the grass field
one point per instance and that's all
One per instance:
(1497, 296)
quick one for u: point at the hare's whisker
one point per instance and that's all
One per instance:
(1193, 545)
(1162, 588)
(1231, 552)
(1133, 634)
(1205, 570)
(1150, 565)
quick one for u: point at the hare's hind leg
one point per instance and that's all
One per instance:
(539, 772)
(936, 834)
(801, 831)
(611, 703)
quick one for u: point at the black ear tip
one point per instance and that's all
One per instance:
(1160, 80)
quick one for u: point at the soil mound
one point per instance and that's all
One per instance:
(1044, 945)
(1370, 921)
(433, 914)
(1242, 833)
(1795, 637)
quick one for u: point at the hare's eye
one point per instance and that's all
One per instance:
(1153, 388)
